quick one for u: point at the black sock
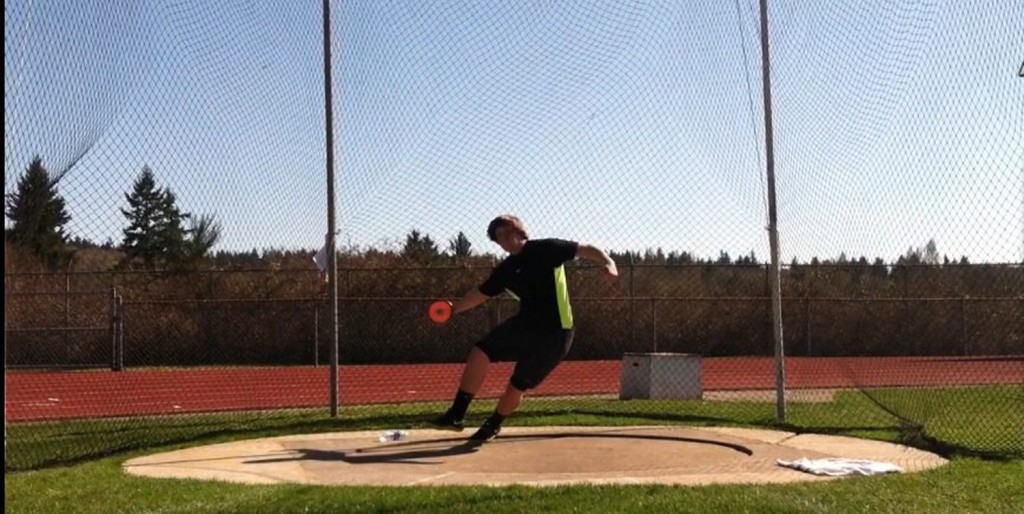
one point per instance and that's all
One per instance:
(495, 420)
(460, 405)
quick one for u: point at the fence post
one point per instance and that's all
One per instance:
(654, 323)
(768, 296)
(119, 331)
(807, 324)
(204, 314)
(316, 333)
(114, 321)
(906, 280)
(113, 328)
(768, 286)
(963, 326)
(632, 304)
(67, 305)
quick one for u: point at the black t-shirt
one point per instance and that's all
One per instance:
(537, 278)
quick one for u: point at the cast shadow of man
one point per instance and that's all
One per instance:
(410, 452)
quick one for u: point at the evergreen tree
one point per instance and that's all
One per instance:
(143, 214)
(930, 253)
(879, 269)
(459, 246)
(419, 248)
(749, 259)
(912, 257)
(204, 232)
(653, 256)
(155, 232)
(171, 233)
(38, 216)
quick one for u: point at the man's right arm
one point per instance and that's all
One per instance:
(493, 286)
(595, 254)
(468, 301)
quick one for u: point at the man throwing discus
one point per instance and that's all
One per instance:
(538, 337)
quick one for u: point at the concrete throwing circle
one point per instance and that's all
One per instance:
(525, 455)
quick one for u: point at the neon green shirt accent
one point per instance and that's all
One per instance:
(562, 295)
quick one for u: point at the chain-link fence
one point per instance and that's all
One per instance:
(165, 192)
(192, 343)
(262, 317)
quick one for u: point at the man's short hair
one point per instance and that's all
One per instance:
(505, 220)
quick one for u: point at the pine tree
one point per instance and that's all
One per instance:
(155, 232)
(38, 216)
(204, 232)
(143, 214)
(171, 232)
(930, 253)
(419, 248)
(459, 246)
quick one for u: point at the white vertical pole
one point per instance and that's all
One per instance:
(332, 257)
(773, 233)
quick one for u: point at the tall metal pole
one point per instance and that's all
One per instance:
(332, 257)
(773, 233)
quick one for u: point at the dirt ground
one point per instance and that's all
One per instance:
(525, 455)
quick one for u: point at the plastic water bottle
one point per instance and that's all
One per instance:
(392, 435)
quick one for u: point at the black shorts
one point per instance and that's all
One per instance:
(535, 352)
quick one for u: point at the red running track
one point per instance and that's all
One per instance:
(48, 395)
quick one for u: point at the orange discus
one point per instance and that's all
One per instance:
(440, 311)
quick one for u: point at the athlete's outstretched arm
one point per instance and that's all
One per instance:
(597, 255)
(471, 299)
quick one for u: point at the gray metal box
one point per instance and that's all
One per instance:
(661, 376)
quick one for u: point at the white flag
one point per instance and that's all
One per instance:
(320, 259)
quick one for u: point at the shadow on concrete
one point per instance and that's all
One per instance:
(421, 452)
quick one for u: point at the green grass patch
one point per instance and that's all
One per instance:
(957, 418)
(964, 485)
(966, 421)
(984, 420)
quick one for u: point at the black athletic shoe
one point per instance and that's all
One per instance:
(487, 432)
(447, 422)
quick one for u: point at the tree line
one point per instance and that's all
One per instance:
(158, 235)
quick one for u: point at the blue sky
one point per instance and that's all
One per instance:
(628, 124)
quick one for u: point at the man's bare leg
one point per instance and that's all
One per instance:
(507, 404)
(472, 380)
(475, 372)
(510, 401)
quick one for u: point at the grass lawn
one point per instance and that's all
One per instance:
(97, 484)
(965, 485)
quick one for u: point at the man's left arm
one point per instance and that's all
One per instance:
(597, 255)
